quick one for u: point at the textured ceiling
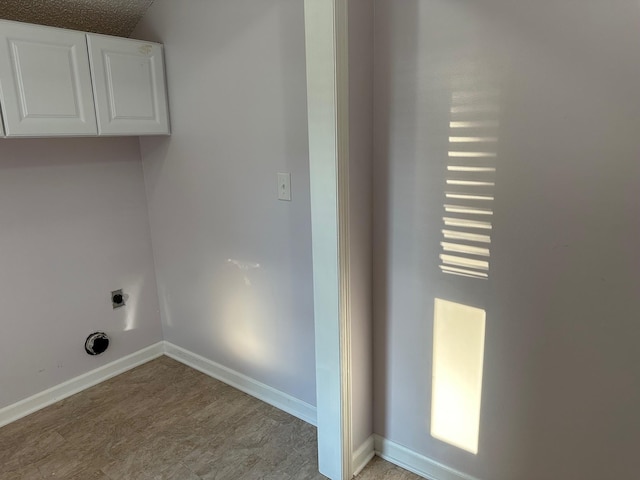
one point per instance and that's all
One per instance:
(112, 17)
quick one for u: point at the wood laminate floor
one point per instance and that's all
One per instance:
(164, 420)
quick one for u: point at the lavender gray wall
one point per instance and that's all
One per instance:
(74, 227)
(237, 87)
(562, 366)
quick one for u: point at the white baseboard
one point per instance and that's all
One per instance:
(388, 450)
(43, 399)
(267, 394)
(416, 463)
(363, 455)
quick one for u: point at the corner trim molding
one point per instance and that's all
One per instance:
(363, 455)
(327, 55)
(341, 45)
(267, 394)
(36, 402)
(416, 463)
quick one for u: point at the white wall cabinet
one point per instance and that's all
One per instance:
(45, 81)
(128, 86)
(56, 82)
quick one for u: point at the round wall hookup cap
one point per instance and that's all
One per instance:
(96, 343)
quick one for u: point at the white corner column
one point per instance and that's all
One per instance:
(328, 114)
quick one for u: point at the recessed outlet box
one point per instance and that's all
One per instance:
(117, 299)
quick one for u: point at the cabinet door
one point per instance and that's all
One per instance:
(128, 86)
(45, 82)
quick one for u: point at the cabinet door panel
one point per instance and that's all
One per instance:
(129, 86)
(46, 81)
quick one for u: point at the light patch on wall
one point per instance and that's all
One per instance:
(458, 353)
(474, 124)
(244, 267)
(166, 302)
(133, 301)
(244, 329)
(465, 154)
(470, 180)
